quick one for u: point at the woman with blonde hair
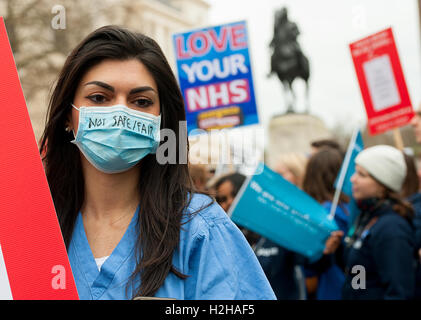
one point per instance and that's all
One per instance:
(291, 166)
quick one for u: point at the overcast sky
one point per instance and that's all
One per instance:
(327, 27)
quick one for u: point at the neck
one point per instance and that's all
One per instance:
(110, 197)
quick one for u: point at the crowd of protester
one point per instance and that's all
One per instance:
(136, 227)
(384, 239)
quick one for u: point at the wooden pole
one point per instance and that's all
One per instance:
(397, 136)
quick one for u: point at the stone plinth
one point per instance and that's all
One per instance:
(294, 133)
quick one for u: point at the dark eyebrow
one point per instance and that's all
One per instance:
(110, 88)
(101, 84)
(141, 89)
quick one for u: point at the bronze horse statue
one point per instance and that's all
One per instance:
(288, 61)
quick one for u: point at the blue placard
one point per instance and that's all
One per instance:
(276, 209)
(215, 77)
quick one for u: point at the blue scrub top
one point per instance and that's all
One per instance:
(213, 252)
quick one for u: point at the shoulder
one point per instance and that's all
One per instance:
(203, 214)
(213, 252)
(390, 225)
(205, 209)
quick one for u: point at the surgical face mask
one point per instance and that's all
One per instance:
(116, 138)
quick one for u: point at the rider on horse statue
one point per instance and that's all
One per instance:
(288, 61)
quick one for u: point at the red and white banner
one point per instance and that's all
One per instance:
(382, 82)
(33, 258)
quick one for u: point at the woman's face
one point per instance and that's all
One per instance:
(364, 186)
(112, 82)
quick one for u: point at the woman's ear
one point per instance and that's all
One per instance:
(68, 126)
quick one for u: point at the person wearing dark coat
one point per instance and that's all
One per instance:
(380, 257)
(410, 191)
(283, 269)
(415, 200)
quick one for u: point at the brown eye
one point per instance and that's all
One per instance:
(97, 98)
(361, 174)
(143, 102)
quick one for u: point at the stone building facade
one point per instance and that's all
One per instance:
(158, 19)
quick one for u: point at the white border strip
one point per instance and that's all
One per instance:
(5, 292)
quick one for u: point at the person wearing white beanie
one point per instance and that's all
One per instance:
(384, 163)
(383, 242)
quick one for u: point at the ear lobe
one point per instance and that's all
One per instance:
(68, 127)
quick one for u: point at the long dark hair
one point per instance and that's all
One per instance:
(166, 189)
(236, 179)
(396, 200)
(321, 172)
(411, 183)
(401, 206)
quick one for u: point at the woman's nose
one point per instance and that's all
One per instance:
(121, 99)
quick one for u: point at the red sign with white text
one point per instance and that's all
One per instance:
(382, 82)
(33, 257)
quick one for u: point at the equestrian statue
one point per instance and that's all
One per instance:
(288, 61)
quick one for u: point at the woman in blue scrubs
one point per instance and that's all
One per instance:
(131, 221)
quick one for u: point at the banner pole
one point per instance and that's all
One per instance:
(343, 173)
(397, 137)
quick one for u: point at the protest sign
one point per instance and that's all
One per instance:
(33, 258)
(382, 82)
(278, 210)
(215, 76)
